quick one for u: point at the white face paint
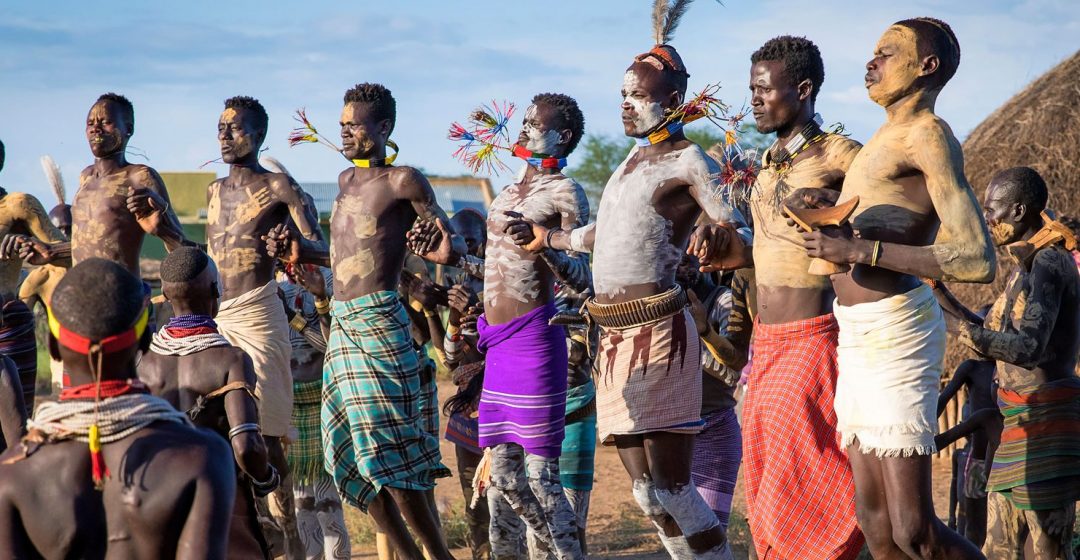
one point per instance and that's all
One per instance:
(537, 141)
(647, 114)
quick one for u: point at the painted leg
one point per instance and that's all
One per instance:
(670, 456)
(508, 475)
(331, 519)
(307, 521)
(561, 520)
(579, 502)
(632, 454)
(506, 530)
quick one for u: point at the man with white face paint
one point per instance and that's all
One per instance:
(523, 403)
(648, 370)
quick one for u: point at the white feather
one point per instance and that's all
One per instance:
(55, 178)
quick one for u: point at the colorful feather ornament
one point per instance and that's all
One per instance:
(483, 136)
(307, 133)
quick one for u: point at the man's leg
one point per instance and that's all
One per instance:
(871, 507)
(915, 527)
(476, 517)
(284, 510)
(415, 507)
(547, 487)
(307, 521)
(331, 519)
(506, 530)
(387, 516)
(1006, 529)
(508, 475)
(669, 455)
(632, 453)
(1052, 531)
(579, 502)
(975, 520)
(715, 465)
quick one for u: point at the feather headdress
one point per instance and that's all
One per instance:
(666, 16)
(56, 180)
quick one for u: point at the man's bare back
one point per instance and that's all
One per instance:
(138, 508)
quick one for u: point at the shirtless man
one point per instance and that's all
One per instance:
(523, 404)
(917, 217)
(241, 208)
(381, 459)
(117, 203)
(20, 215)
(982, 428)
(648, 392)
(1033, 332)
(799, 489)
(165, 486)
(194, 368)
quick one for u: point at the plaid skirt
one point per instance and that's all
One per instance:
(799, 488)
(372, 422)
(305, 453)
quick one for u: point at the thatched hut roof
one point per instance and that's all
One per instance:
(1040, 128)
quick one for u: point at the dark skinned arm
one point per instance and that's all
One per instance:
(148, 201)
(1026, 347)
(571, 268)
(979, 420)
(959, 377)
(951, 305)
(12, 407)
(248, 447)
(449, 247)
(310, 239)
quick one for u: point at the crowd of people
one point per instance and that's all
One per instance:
(296, 374)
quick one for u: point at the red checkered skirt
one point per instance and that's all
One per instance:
(799, 488)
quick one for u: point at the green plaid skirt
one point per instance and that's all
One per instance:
(372, 422)
(305, 453)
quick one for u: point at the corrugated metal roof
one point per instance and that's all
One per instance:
(453, 194)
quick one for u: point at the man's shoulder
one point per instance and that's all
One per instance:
(1055, 260)
(142, 174)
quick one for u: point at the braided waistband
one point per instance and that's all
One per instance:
(637, 312)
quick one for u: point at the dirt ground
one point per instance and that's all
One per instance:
(617, 528)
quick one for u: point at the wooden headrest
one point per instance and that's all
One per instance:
(810, 219)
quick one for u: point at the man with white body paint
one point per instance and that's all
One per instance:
(648, 371)
(523, 403)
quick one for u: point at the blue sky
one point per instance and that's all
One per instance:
(177, 61)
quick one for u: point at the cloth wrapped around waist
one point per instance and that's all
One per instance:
(1037, 465)
(372, 419)
(306, 451)
(890, 356)
(255, 322)
(524, 396)
(648, 376)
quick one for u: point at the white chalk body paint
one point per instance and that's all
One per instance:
(633, 241)
(649, 114)
(509, 271)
